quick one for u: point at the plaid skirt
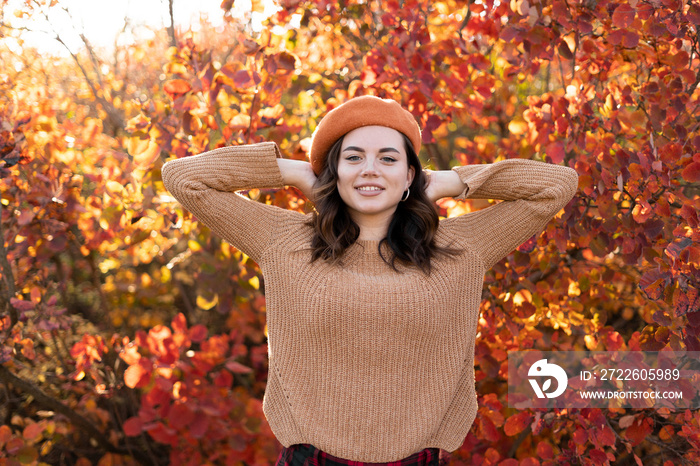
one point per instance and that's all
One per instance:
(304, 454)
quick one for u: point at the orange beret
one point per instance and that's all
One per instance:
(367, 110)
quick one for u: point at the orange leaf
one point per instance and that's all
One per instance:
(176, 87)
(517, 423)
(138, 375)
(32, 433)
(666, 433)
(257, 6)
(130, 354)
(5, 435)
(545, 450)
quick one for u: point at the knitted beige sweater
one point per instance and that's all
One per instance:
(368, 364)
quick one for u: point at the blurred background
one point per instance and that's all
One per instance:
(132, 335)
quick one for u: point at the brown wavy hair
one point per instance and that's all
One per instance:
(411, 233)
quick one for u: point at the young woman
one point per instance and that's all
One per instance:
(372, 301)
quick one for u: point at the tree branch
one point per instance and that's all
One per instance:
(8, 278)
(26, 387)
(171, 28)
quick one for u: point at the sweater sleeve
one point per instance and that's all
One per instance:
(205, 184)
(532, 193)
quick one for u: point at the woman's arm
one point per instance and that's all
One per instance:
(532, 193)
(206, 185)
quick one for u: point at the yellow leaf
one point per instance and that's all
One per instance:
(109, 264)
(517, 127)
(240, 121)
(148, 156)
(137, 144)
(206, 305)
(255, 282)
(114, 187)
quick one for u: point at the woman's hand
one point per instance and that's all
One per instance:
(443, 183)
(298, 173)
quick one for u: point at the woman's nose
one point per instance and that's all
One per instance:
(369, 167)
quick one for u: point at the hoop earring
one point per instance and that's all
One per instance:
(406, 194)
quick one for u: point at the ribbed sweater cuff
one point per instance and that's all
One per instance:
(465, 173)
(229, 168)
(255, 165)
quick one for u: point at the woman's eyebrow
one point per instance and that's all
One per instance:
(381, 151)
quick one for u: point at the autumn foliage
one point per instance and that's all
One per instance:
(132, 335)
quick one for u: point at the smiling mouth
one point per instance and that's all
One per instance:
(370, 189)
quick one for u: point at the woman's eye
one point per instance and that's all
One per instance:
(352, 158)
(389, 159)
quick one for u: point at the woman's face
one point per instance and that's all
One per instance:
(373, 172)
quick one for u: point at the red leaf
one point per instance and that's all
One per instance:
(691, 173)
(133, 426)
(163, 434)
(640, 428)
(580, 436)
(675, 249)
(606, 436)
(180, 415)
(242, 79)
(630, 39)
(176, 88)
(198, 333)
(623, 16)
(199, 427)
(517, 423)
(691, 343)
(598, 456)
(693, 14)
(556, 151)
(529, 245)
(687, 302)
(615, 37)
(487, 429)
(510, 33)
(223, 379)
